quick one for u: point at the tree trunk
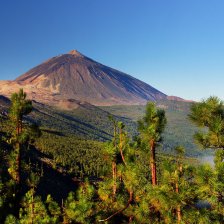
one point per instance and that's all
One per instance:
(121, 147)
(18, 179)
(18, 167)
(177, 187)
(114, 171)
(114, 165)
(20, 126)
(115, 135)
(64, 216)
(153, 162)
(18, 157)
(32, 209)
(178, 214)
(121, 210)
(178, 209)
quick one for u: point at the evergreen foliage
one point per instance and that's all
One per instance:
(114, 179)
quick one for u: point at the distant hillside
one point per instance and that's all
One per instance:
(91, 122)
(4, 102)
(86, 121)
(179, 130)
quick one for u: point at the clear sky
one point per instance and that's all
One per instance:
(177, 46)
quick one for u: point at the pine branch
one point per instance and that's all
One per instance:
(121, 210)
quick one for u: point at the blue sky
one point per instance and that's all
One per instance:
(177, 46)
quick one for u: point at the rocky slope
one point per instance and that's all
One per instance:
(74, 76)
(70, 79)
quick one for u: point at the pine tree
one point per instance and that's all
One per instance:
(178, 173)
(209, 114)
(22, 135)
(80, 208)
(53, 209)
(150, 127)
(20, 107)
(33, 209)
(120, 206)
(113, 155)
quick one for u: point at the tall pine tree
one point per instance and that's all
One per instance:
(150, 127)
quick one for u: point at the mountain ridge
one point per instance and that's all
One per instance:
(73, 76)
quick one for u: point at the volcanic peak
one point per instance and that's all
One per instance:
(77, 77)
(75, 53)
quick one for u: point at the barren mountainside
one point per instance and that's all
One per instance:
(74, 76)
(71, 79)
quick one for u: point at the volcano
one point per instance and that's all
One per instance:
(73, 77)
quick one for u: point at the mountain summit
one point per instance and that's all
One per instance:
(76, 53)
(75, 76)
